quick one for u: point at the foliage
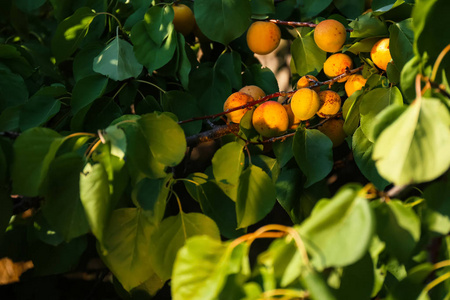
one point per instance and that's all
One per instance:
(104, 112)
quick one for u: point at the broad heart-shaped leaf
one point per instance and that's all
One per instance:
(367, 25)
(118, 140)
(117, 61)
(340, 233)
(94, 194)
(63, 208)
(307, 57)
(437, 215)
(227, 165)
(202, 266)
(13, 90)
(154, 38)
(165, 137)
(172, 234)
(357, 280)
(28, 6)
(223, 20)
(71, 32)
(127, 241)
(397, 222)
(362, 152)
(373, 102)
(38, 110)
(151, 195)
(184, 106)
(414, 148)
(313, 153)
(86, 90)
(261, 76)
(255, 196)
(311, 8)
(33, 152)
(401, 42)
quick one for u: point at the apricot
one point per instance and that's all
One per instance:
(270, 119)
(183, 19)
(305, 103)
(330, 103)
(293, 121)
(255, 91)
(336, 65)
(380, 54)
(334, 130)
(235, 100)
(306, 81)
(263, 37)
(354, 83)
(330, 35)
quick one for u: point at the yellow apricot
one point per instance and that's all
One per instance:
(263, 37)
(334, 130)
(270, 119)
(183, 19)
(337, 64)
(380, 53)
(305, 103)
(354, 83)
(255, 91)
(330, 103)
(330, 35)
(293, 121)
(235, 100)
(306, 81)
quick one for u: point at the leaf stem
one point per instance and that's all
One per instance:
(114, 17)
(152, 84)
(435, 282)
(438, 62)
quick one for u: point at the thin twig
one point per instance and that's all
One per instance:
(298, 24)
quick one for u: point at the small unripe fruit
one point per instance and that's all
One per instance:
(334, 130)
(270, 119)
(255, 91)
(380, 54)
(330, 103)
(293, 121)
(330, 35)
(354, 83)
(183, 19)
(235, 100)
(306, 81)
(263, 37)
(336, 65)
(305, 103)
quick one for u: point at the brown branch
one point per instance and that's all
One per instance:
(297, 24)
(212, 134)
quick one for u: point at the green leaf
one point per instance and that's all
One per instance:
(313, 153)
(308, 58)
(86, 90)
(37, 111)
(350, 112)
(13, 90)
(29, 5)
(34, 150)
(362, 152)
(311, 8)
(100, 114)
(317, 286)
(349, 8)
(127, 240)
(230, 63)
(202, 266)
(184, 106)
(357, 280)
(172, 234)
(227, 165)
(152, 194)
(437, 215)
(401, 42)
(397, 222)
(367, 25)
(154, 38)
(222, 20)
(71, 32)
(83, 61)
(117, 61)
(255, 196)
(63, 208)
(6, 210)
(373, 102)
(94, 194)
(261, 76)
(165, 137)
(283, 151)
(117, 139)
(339, 234)
(418, 144)
(262, 7)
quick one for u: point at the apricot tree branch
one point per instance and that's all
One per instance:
(298, 24)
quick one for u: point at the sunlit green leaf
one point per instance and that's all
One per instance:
(307, 56)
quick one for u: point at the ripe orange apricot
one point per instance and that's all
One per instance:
(305, 103)
(270, 119)
(336, 65)
(293, 121)
(235, 100)
(183, 19)
(330, 103)
(330, 35)
(354, 83)
(334, 130)
(306, 81)
(380, 53)
(263, 37)
(255, 91)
